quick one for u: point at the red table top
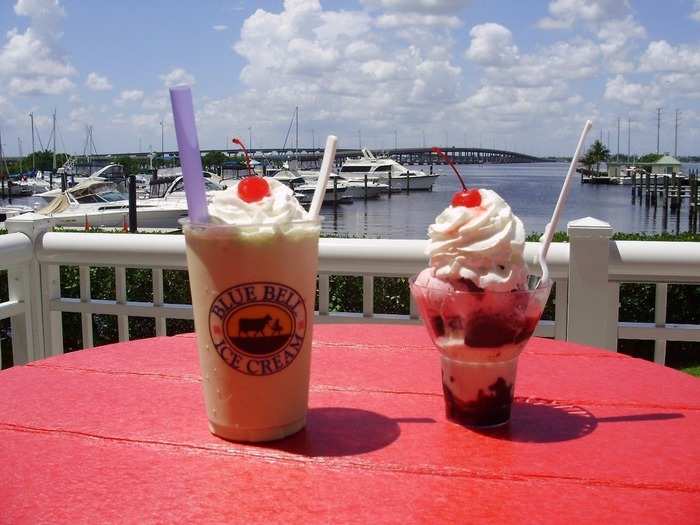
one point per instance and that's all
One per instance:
(119, 434)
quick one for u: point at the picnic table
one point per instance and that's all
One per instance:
(118, 434)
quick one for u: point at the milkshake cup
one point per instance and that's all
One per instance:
(253, 291)
(480, 335)
(252, 257)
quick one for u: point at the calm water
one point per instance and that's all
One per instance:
(530, 189)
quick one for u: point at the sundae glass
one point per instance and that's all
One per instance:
(479, 303)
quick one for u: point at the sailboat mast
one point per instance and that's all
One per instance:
(31, 117)
(54, 140)
(296, 110)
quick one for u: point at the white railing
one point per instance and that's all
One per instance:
(587, 273)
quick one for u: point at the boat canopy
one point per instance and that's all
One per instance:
(59, 204)
(82, 192)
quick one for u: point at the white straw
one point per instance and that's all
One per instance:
(551, 227)
(326, 166)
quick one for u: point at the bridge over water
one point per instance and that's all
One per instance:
(408, 156)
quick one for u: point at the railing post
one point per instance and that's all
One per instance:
(23, 349)
(593, 301)
(26, 283)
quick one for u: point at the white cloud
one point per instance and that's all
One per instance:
(97, 82)
(26, 54)
(45, 15)
(128, 96)
(561, 61)
(31, 61)
(220, 27)
(518, 101)
(492, 44)
(400, 20)
(695, 15)
(381, 69)
(362, 50)
(39, 86)
(630, 93)
(564, 13)
(338, 66)
(615, 36)
(158, 101)
(146, 120)
(176, 77)
(419, 6)
(610, 21)
(662, 56)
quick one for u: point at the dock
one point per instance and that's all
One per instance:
(669, 191)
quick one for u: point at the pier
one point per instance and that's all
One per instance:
(668, 191)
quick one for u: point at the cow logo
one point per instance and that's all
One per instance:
(258, 328)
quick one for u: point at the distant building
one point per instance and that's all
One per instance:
(667, 165)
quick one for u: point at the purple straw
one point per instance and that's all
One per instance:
(190, 159)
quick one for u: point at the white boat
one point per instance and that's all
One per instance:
(355, 188)
(387, 171)
(97, 203)
(176, 190)
(626, 174)
(288, 177)
(334, 193)
(25, 186)
(303, 182)
(11, 210)
(110, 172)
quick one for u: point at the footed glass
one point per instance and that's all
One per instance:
(480, 335)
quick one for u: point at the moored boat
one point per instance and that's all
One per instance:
(97, 203)
(387, 171)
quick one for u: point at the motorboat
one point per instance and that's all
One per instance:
(335, 193)
(627, 174)
(387, 171)
(288, 177)
(26, 185)
(303, 182)
(176, 189)
(110, 172)
(12, 210)
(355, 188)
(98, 203)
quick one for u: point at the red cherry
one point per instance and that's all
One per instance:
(467, 198)
(253, 189)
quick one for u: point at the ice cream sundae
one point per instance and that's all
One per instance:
(478, 302)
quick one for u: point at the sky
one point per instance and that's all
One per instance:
(516, 75)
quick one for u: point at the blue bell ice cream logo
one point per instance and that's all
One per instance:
(258, 328)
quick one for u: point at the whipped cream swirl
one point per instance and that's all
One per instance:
(278, 208)
(483, 244)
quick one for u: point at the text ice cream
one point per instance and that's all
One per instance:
(253, 280)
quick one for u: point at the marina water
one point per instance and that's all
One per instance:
(530, 189)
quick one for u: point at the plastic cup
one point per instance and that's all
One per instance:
(253, 293)
(480, 335)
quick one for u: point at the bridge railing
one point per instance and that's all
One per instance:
(587, 273)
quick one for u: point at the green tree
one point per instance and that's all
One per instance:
(650, 157)
(587, 160)
(596, 154)
(214, 160)
(43, 160)
(131, 165)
